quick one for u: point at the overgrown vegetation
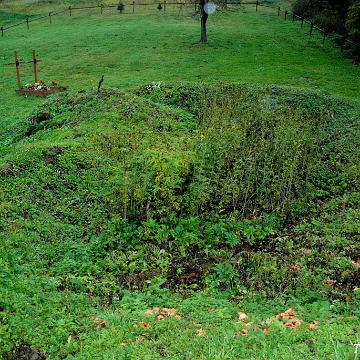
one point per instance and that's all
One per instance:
(179, 187)
(337, 16)
(196, 219)
(330, 15)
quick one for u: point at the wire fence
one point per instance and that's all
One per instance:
(342, 40)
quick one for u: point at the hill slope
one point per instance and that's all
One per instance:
(232, 189)
(173, 168)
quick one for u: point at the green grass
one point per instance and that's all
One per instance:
(244, 46)
(230, 186)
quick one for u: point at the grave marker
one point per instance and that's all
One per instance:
(34, 61)
(17, 63)
(34, 89)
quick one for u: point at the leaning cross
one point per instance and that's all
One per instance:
(16, 63)
(34, 61)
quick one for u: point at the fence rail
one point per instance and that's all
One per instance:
(70, 10)
(343, 39)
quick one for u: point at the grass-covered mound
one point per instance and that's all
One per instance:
(232, 188)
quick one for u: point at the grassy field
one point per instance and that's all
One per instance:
(115, 45)
(204, 204)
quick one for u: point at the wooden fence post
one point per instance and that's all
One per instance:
(50, 17)
(293, 17)
(257, 4)
(164, 5)
(70, 10)
(324, 37)
(101, 7)
(27, 23)
(342, 43)
(133, 6)
(279, 11)
(285, 14)
(311, 28)
(2, 31)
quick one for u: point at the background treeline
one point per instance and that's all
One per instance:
(341, 16)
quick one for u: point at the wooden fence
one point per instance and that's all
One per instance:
(312, 26)
(341, 39)
(71, 9)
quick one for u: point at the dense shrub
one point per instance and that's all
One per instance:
(329, 15)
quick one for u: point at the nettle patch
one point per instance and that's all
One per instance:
(123, 187)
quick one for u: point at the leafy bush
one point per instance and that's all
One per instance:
(330, 16)
(121, 6)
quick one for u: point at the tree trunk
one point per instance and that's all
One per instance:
(204, 17)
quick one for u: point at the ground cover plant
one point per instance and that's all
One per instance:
(182, 210)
